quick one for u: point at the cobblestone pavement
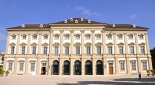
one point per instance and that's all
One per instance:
(77, 80)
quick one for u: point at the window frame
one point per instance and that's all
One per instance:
(144, 65)
(88, 49)
(32, 68)
(10, 67)
(133, 66)
(98, 49)
(109, 49)
(21, 67)
(56, 50)
(45, 48)
(66, 49)
(34, 50)
(121, 49)
(23, 51)
(12, 49)
(131, 50)
(45, 37)
(122, 68)
(142, 49)
(77, 49)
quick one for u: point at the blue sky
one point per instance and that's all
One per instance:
(17, 12)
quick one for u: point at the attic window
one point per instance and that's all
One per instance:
(134, 26)
(89, 21)
(41, 25)
(81, 19)
(65, 21)
(71, 19)
(23, 25)
(76, 21)
(113, 25)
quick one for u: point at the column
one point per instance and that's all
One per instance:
(93, 42)
(15, 65)
(94, 66)
(138, 65)
(126, 52)
(128, 66)
(150, 62)
(28, 43)
(82, 42)
(60, 67)
(5, 64)
(136, 43)
(51, 42)
(72, 42)
(7, 44)
(71, 66)
(115, 43)
(27, 66)
(38, 67)
(50, 67)
(39, 43)
(61, 42)
(18, 42)
(105, 67)
(116, 66)
(82, 67)
(104, 41)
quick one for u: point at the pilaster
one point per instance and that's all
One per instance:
(15, 65)
(51, 42)
(18, 42)
(39, 43)
(104, 41)
(38, 67)
(28, 43)
(60, 67)
(116, 66)
(93, 42)
(71, 66)
(72, 41)
(105, 67)
(7, 44)
(136, 43)
(126, 43)
(82, 41)
(115, 43)
(147, 44)
(27, 66)
(83, 67)
(94, 66)
(61, 42)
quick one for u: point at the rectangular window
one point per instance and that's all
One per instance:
(56, 37)
(35, 37)
(10, 66)
(98, 37)
(45, 50)
(33, 50)
(77, 49)
(46, 37)
(87, 37)
(142, 48)
(109, 49)
(66, 37)
(66, 50)
(120, 49)
(77, 37)
(98, 49)
(88, 50)
(14, 37)
(131, 49)
(12, 49)
(144, 65)
(130, 36)
(141, 37)
(44, 64)
(32, 66)
(133, 66)
(56, 50)
(109, 37)
(21, 66)
(24, 37)
(122, 66)
(23, 49)
(120, 37)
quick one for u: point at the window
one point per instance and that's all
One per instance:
(130, 36)
(46, 37)
(32, 66)
(141, 37)
(131, 49)
(77, 49)
(120, 49)
(133, 66)
(24, 36)
(33, 50)
(67, 37)
(144, 64)
(142, 48)
(56, 37)
(10, 66)
(77, 37)
(122, 66)
(66, 50)
(21, 66)
(109, 37)
(98, 37)
(44, 64)
(12, 49)
(14, 37)
(35, 37)
(88, 49)
(98, 49)
(109, 49)
(23, 49)
(56, 50)
(45, 50)
(120, 37)
(88, 37)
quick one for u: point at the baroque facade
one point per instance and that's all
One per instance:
(77, 46)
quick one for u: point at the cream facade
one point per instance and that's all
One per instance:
(77, 46)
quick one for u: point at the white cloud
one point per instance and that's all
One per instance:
(2, 36)
(133, 16)
(86, 11)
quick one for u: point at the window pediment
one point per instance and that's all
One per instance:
(131, 43)
(108, 34)
(12, 44)
(45, 34)
(119, 35)
(23, 35)
(45, 44)
(23, 44)
(56, 44)
(88, 44)
(142, 43)
(98, 35)
(13, 35)
(98, 44)
(130, 34)
(77, 44)
(66, 44)
(33, 44)
(34, 35)
(87, 34)
(120, 43)
(77, 35)
(66, 35)
(110, 43)
(56, 35)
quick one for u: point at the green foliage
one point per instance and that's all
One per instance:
(6, 72)
(148, 71)
(152, 51)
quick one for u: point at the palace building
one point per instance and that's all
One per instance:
(77, 46)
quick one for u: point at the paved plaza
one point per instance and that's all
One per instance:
(77, 80)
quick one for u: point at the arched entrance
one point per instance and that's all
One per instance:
(99, 67)
(88, 67)
(77, 67)
(66, 67)
(55, 67)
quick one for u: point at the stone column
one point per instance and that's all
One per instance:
(150, 62)
(71, 66)
(126, 53)
(28, 43)
(93, 42)
(138, 65)
(61, 42)
(51, 42)
(27, 66)
(105, 67)
(115, 43)
(94, 66)
(116, 66)
(39, 43)
(72, 41)
(7, 44)
(104, 41)
(128, 66)
(5, 64)
(60, 66)
(147, 44)
(82, 42)
(136, 43)
(38, 67)
(18, 42)
(83, 67)
(16, 65)
(50, 67)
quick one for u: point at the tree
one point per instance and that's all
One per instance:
(152, 51)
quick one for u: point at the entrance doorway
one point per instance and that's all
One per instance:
(77, 67)
(110, 68)
(43, 70)
(99, 67)
(88, 67)
(66, 67)
(55, 67)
